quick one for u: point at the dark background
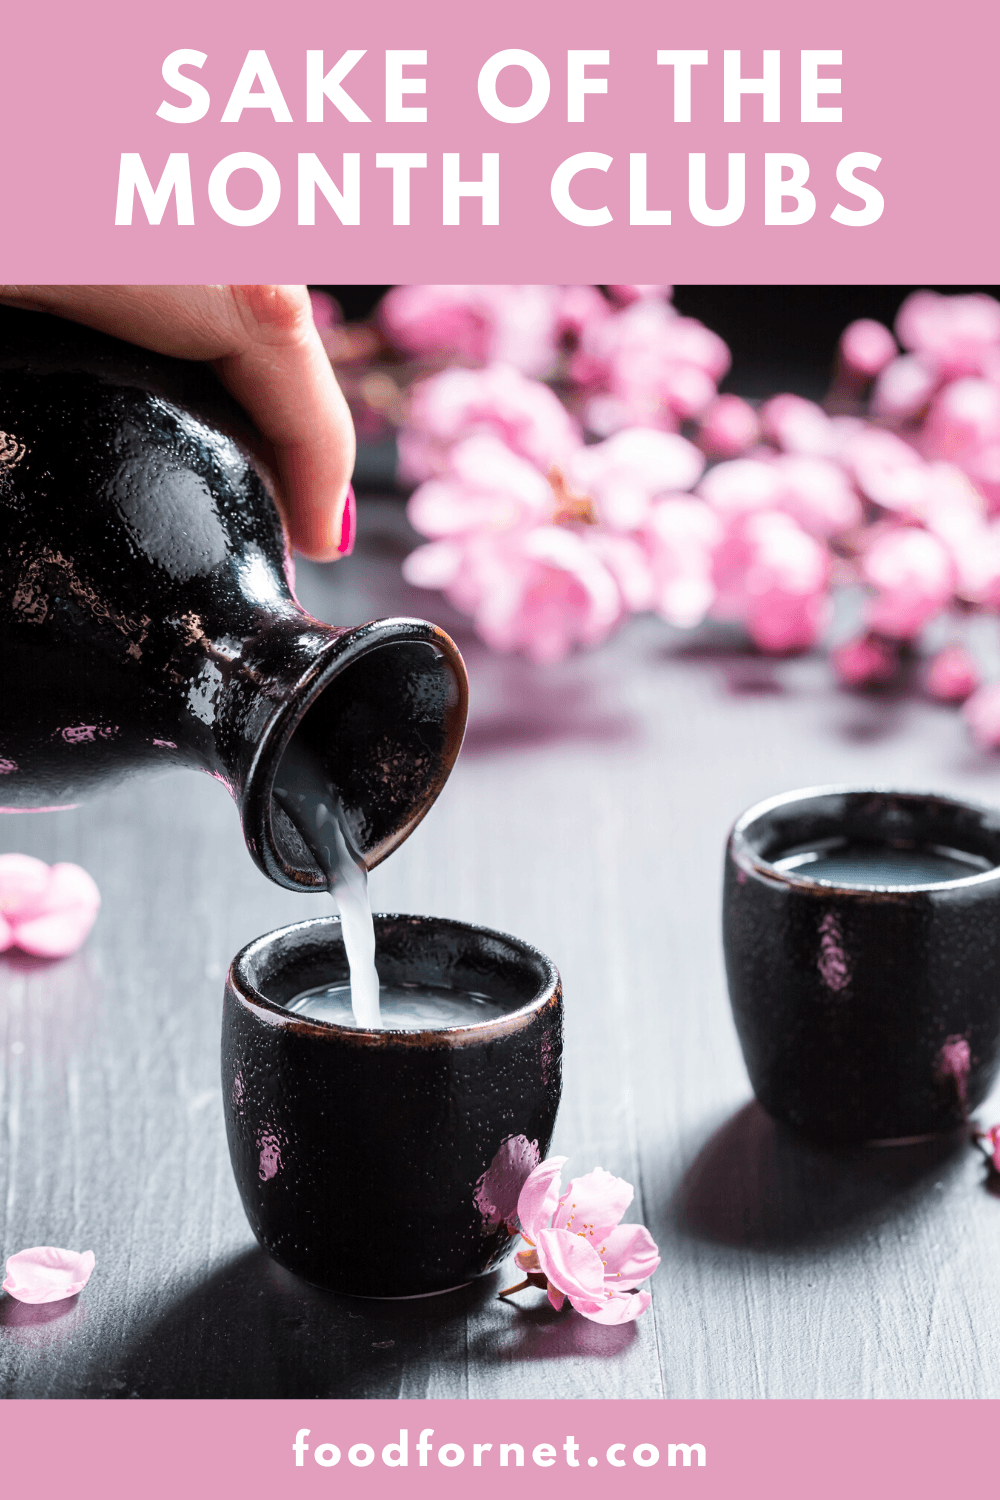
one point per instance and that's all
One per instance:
(780, 337)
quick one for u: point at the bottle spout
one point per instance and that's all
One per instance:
(377, 711)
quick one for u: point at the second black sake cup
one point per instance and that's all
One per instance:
(388, 1163)
(866, 1013)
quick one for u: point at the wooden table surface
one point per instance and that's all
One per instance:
(587, 814)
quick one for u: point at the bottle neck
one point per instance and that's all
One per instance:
(379, 709)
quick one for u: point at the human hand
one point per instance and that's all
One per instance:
(262, 343)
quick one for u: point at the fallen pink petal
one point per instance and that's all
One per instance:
(47, 1274)
(45, 910)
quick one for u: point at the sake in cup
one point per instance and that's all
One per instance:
(388, 1163)
(861, 929)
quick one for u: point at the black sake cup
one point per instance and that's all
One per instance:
(386, 1163)
(849, 1000)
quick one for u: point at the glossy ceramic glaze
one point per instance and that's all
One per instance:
(147, 618)
(845, 997)
(383, 1163)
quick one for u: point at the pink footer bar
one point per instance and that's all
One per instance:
(718, 1450)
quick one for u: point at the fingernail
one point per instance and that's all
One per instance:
(348, 525)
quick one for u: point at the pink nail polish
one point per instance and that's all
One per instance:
(348, 525)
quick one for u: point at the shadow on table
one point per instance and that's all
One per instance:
(533, 1331)
(756, 1184)
(862, 716)
(254, 1330)
(34, 1325)
(536, 709)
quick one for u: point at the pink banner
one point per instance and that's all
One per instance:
(445, 143)
(713, 1449)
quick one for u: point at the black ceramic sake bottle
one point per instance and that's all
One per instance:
(147, 619)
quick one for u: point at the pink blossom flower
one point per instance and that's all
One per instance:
(773, 576)
(903, 388)
(647, 366)
(955, 513)
(624, 295)
(486, 488)
(742, 485)
(545, 592)
(514, 325)
(817, 493)
(540, 590)
(982, 714)
(952, 675)
(728, 428)
(992, 1136)
(915, 579)
(45, 910)
(577, 1246)
(796, 425)
(963, 418)
(45, 1274)
(887, 470)
(626, 560)
(866, 347)
(575, 308)
(680, 538)
(623, 474)
(983, 468)
(865, 661)
(955, 334)
(528, 417)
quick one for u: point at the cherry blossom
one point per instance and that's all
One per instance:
(964, 418)
(577, 1247)
(773, 576)
(887, 470)
(624, 295)
(866, 347)
(740, 486)
(540, 590)
(46, 1274)
(522, 326)
(982, 714)
(728, 427)
(647, 366)
(546, 562)
(956, 335)
(549, 541)
(623, 474)
(914, 577)
(952, 675)
(680, 539)
(865, 661)
(796, 425)
(817, 493)
(903, 388)
(45, 910)
(486, 487)
(526, 415)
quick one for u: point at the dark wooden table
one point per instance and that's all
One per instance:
(587, 814)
